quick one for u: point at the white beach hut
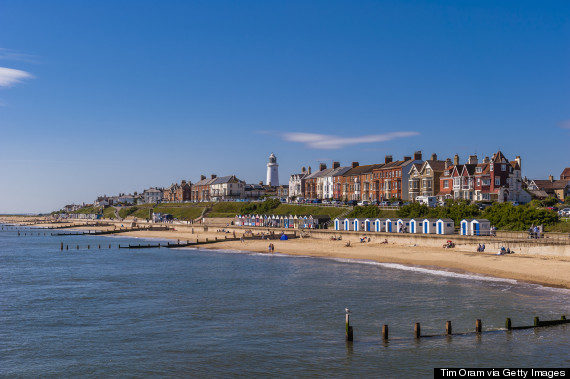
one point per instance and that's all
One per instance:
(389, 226)
(346, 224)
(367, 225)
(356, 225)
(445, 226)
(465, 227)
(415, 226)
(429, 226)
(480, 227)
(403, 225)
(336, 224)
(380, 225)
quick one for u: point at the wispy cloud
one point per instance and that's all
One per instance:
(11, 76)
(324, 141)
(12, 55)
(564, 124)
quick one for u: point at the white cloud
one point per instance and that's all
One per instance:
(10, 76)
(323, 141)
(564, 124)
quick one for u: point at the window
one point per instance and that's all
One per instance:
(497, 181)
(428, 171)
(503, 167)
(479, 170)
(446, 184)
(478, 181)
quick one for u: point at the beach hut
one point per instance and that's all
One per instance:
(336, 224)
(356, 225)
(380, 225)
(415, 226)
(480, 227)
(346, 224)
(465, 227)
(403, 225)
(367, 224)
(296, 222)
(286, 221)
(389, 225)
(429, 226)
(445, 226)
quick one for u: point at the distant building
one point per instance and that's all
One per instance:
(555, 188)
(226, 188)
(201, 189)
(297, 183)
(178, 193)
(152, 195)
(272, 171)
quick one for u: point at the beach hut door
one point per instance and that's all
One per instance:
(476, 228)
(440, 227)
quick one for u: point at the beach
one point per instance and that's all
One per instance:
(547, 270)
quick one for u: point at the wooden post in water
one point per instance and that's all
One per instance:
(536, 321)
(385, 332)
(349, 332)
(62, 246)
(563, 317)
(109, 246)
(417, 330)
(448, 328)
(508, 324)
(99, 246)
(77, 247)
(216, 239)
(478, 326)
(88, 247)
(66, 247)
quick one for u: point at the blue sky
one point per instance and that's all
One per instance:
(102, 97)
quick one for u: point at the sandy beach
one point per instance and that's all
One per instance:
(547, 270)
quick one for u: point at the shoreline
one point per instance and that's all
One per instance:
(549, 271)
(544, 270)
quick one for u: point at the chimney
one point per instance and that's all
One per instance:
(214, 176)
(309, 170)
(388, 159)
(473, 159)
(303, 169)
(486, 160)
(183, 182)
(551, 178)
(261, 182)
(456, 160)
(434, 157)
(418, 156)
(354, 164)
(322, 166)
(202, 177)
(336, 164)
(447, 163)
(407, 158)
(518, 160)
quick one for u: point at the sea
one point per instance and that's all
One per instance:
(191, 313)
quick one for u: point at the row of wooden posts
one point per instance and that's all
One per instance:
(448, 330)
(77, 247)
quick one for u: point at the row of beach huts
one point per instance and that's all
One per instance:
(471, 227)
(467, 227)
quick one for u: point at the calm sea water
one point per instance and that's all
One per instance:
(192, 313)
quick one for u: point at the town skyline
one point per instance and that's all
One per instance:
(103, 98)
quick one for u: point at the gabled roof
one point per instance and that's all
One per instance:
(566, 173)
(204, 182)
(469, 168)
(359, 170)
(548, 185)
(341, 170)
(438, 166)
(225, 179)
(498, 157)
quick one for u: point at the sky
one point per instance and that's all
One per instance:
(107, 97)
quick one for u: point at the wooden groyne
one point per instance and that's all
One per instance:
(349, 334)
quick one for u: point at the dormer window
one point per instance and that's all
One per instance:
(478, 170)
(503, 167)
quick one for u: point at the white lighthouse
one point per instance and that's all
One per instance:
(272, 171)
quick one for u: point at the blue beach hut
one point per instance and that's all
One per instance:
(480, 227)
(367, 224)
(389, 225)
(465, 227)
(445, 226)
(356, 224)
(336, 224)
(429, 226)
(415, 226)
